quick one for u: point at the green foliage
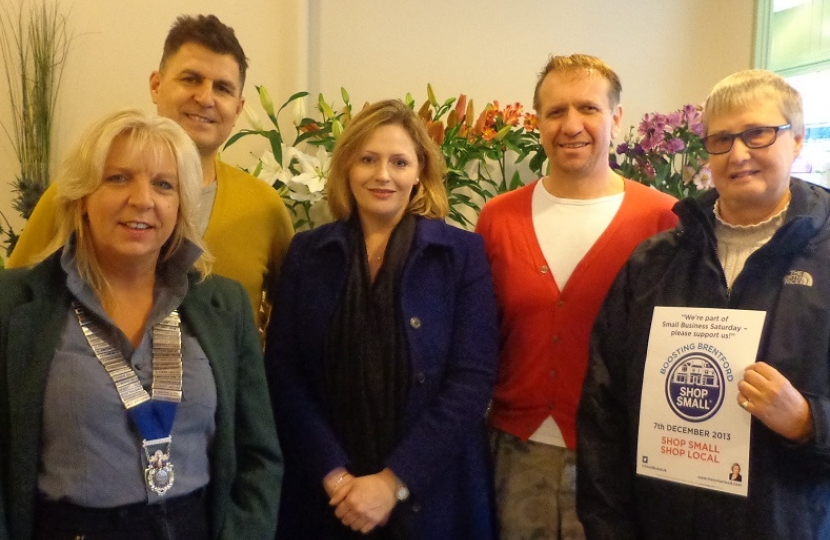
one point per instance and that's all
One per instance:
(34, 46)
(480, 153)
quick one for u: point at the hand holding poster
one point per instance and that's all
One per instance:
(692, 429)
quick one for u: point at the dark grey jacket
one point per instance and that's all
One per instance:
(789, 484)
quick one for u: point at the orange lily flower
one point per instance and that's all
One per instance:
(436, 131)
(512, 114)
(530, 122)
(461, 107)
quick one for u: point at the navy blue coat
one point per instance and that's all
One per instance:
(450, 319)
(789, 483)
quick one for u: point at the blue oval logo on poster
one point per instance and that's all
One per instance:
(694, 387)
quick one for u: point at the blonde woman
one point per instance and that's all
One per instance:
(133, 402)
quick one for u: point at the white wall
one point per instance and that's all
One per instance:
(667, 53)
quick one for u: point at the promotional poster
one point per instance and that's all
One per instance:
(692, 429)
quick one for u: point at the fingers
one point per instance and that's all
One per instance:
(362, 503)
(771, 398)
(358, 522)
(334, 479)
(355, 520)
(743, 401)
(764, 370)
(761, 384)
(341, 492)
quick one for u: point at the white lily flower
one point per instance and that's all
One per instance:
(253, 118)
(271, 170)
(311, 182)
(299, 110)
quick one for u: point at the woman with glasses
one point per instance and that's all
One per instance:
(759, 241)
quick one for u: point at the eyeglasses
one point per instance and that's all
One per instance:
(758, 137)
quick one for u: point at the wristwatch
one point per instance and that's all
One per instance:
(402, 493)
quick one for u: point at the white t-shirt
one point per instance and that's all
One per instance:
(566, 229)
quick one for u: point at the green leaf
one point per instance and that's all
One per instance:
(276, 145)
(294, 97)
(240, 134)
(516, 181)
(537, 161)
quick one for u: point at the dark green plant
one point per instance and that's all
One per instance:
(34, 46)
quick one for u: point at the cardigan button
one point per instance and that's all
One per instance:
(544, 269)
(556, 339)
(416, 508)
(421, 377)
(552, 373)
(560, 303)
(415, 322)
(550, 406)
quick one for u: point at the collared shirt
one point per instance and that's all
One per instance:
(91, 451)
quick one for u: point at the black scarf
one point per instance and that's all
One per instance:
(367, 361)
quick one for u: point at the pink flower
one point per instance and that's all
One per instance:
(675, 145)
(674, 120)
(659, 121)
(691, 113)
(703, 179)
(697, 129)
(645, 126)
(653, 141)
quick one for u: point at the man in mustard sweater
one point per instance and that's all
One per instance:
(555, 247)
(243, 221)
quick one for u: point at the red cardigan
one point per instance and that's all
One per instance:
(544, 331)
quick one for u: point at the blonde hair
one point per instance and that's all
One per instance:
(82, 173)
(580, 63)
(745, 88)
(429, 196)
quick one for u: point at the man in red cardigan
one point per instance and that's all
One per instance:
(555, 247)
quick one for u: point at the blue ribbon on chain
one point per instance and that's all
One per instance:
(154, 419)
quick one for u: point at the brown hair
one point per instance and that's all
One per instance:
(585, 63)
(429, 196)
(207, 31)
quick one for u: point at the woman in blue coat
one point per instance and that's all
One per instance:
(382, 351)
